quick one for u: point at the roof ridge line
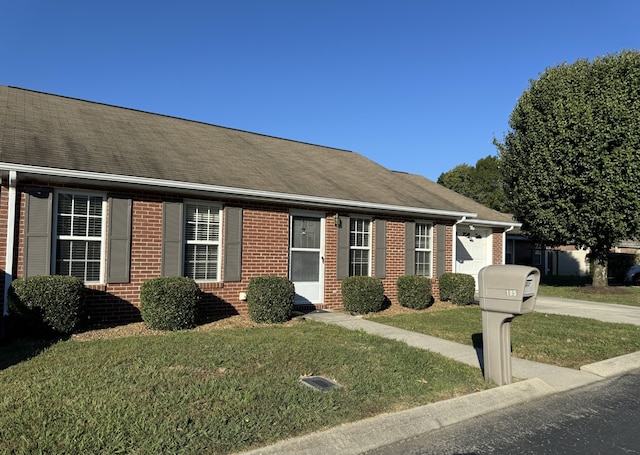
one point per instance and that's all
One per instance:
(176, 118)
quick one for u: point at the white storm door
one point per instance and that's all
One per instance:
(306, 268)
(473, 251)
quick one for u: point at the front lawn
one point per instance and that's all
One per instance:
(554, 339)
(214, 392)
(621, 295)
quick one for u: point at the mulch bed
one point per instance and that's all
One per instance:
(604, 290)
(242, 320)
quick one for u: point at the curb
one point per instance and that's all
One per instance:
(375, 432)
(615, 366)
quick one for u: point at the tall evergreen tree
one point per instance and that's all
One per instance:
(571, 160)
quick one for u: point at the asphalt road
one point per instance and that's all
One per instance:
(602, 418)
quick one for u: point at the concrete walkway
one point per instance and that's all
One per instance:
(605, 312)
(537, 380)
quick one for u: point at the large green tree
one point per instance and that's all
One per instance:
(571, 159)
(482, 183)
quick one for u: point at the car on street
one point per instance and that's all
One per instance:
(632, 276)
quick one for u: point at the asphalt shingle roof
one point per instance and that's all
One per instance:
(40, 129)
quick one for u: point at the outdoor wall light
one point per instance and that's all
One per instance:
(336, 220)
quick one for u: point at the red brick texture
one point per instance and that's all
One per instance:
(265, 251)
(497, 247)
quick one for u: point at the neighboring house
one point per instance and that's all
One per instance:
(566, 260)
(558, 261)
(117, 196)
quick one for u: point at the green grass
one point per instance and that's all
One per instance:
(209, 392)
(554, 339)
(621, 295)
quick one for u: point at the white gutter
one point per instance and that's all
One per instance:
(504, 243)
(506, 224)
(11, 231)
(225, 190)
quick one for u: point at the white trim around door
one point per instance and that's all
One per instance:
(306, 256)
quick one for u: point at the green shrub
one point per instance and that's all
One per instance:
(414, 291)
(362, 294)
(169, 303)
(459, 288)
(47, 304)
(270, 299)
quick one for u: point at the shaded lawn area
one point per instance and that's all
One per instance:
(554, 339)
(210, 392)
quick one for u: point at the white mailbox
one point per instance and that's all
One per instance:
(505, 291)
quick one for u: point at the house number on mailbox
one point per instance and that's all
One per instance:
(511, 292)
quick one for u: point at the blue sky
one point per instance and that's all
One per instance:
(418, 86)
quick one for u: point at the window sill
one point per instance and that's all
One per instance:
(210, 285)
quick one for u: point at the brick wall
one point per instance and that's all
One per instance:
(332, 289)
(497, 246)
(395, 258)
(265, 251)
(122, 301)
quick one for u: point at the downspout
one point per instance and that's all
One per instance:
(11, 232)
(504, 243)
(455, 241)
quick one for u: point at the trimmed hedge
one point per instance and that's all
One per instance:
(362, 294)
(169, 303)
(414, 291)
(459, 288)
(47, 304)
(270, 299)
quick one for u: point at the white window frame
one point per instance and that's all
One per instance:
(367, 247)
(428, 249)
(102, 238)
(212, 206)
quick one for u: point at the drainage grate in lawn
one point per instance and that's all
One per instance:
(319, 383)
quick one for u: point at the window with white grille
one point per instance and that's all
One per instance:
(202, 241)
(79, 236)
(359, 246)
(423, 249)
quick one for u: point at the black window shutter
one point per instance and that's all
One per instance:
(344, 231)
(441, 249)
(410, 248)
(232, 244)
(172, 238)
(38, 224)
(119, 241)
(381, 248)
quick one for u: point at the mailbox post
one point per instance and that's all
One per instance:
(505, 291)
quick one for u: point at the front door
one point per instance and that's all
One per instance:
(306, 263)
(473, 251)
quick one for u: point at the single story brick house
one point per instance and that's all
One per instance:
(117, 196)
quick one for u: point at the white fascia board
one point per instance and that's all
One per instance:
(227, 191)
(505, 224)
